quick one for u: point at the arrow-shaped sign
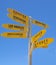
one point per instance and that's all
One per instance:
(17, 16)
(38, 35)
(43, 43)
(14, 34)
(40, 23)
(15, 27)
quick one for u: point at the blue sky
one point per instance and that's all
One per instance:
(15, 51)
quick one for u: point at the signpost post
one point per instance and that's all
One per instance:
(29, 45)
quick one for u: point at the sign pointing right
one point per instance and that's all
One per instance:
(43, 43)
(40, 23)
(38, 35)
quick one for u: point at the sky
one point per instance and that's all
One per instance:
(14, 51)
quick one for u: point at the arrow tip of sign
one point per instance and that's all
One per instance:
(46, 26)
(3, 25)
(52, 39)
(9, 15)
(0, 34)
(9, 10)
(44, 31)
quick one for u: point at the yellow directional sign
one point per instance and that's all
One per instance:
(14, 34)
(40, 23)
(14, 27)
(43, 43)
(38, 35)
(17, 16)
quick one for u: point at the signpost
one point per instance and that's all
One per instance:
(26, 32)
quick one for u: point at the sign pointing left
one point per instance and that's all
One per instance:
(14, 34)
(18, 17)
(14, 27)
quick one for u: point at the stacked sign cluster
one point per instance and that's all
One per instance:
(23, 19)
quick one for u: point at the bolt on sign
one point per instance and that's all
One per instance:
(40, 23)
(14, 35)
(14, 27)
(17, 16)
(43, 43)
(38, 35)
